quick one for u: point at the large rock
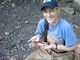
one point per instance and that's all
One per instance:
(68, 10)
(76, 5)
(1, 1)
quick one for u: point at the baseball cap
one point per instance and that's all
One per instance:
(49, 3)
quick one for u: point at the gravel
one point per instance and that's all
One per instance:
(18, 21)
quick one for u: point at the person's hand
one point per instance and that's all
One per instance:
(47, 46)
(36, 44)
(35, 38)
(32, 45)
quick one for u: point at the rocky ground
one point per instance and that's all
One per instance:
(18, 21)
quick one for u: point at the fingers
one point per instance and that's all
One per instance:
(41, 45)
(30, 40)
(32, 45)
(33, 39)
(46, 46)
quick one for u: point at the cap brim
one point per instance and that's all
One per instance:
(47, 5)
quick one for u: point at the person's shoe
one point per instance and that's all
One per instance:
(1, 38)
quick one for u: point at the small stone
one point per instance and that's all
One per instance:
(14, 16)
(17, 27)
(26, 22)
(7, 33)
(13, 5)
(1, 38)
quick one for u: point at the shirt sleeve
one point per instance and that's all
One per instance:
(69, 36)
(40, 27)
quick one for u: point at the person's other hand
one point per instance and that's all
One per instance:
(36, 44)
(35, 38)
(47, 46)
(31, 45)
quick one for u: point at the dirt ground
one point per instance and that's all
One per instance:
(18, 21)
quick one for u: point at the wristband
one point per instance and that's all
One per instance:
(56, 46)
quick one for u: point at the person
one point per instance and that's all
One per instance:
(54, 36)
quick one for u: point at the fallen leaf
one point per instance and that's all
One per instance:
(34, 0)
(14, 16)
(12, 45)
(26, 21)
(23, 49)
(13, 5)
(75, 26)
(17, 27)
(7, 33)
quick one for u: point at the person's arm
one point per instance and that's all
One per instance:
(34, 40)
(64, 48)
(58, 47)
(69, 38)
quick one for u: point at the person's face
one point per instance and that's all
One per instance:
(51, 15)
